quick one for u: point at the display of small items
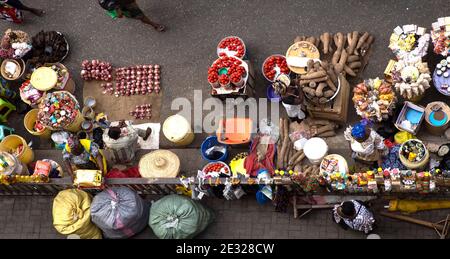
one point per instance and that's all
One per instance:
(216, 169)
(142, 112)
(331, 173)
(409, 42)
(14, 44)
(374, 99)
(58, 110)
(411, 79)
(410, 118)
(63, 75)
(29, 93)
(440, 36)
(408, 179)
(441, 76)
(137, 80)
(413, 151)
(96, 70)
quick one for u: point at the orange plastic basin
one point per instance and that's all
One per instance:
(234, 131)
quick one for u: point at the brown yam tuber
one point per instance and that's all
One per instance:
(307, 81)
(317, 74)
(332, 75)
(324, 64)
(352, 58)
(317, 65)
(297, 161)
(326, 38)
(328, 93)
(280, 145)
(309, 91)
(311, 40)
(309, 65)
(319, 89)
(323, 100)
(352, 39)
(327, 134)
(339, 41)
(338, 68)
(349, 71)
(362, 40)
(343, 58)
(366, 46)
(331, 85)
(312, 84)
(294, 157)
(324, 129)
(353, 65)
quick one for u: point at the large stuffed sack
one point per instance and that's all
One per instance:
(119, 212)
(178, 217)
(72, 214)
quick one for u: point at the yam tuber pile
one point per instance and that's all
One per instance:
(342, 54)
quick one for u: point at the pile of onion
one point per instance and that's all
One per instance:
(96, 70)
(137, 80)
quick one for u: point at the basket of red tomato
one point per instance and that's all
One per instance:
(275, 65)
(219, 168)
(231, 46)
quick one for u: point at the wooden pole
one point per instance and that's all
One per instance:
(413, 220)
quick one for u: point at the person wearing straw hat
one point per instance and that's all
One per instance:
(83, 154)
(355, 215)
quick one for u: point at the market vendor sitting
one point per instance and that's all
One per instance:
(355, 215)
(121, 138)
(292, 101)
(83, 154)
(367, 145)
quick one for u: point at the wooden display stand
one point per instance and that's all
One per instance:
(248, 90)
(337, 109)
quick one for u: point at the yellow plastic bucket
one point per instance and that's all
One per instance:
(10, 144)
(30, 120)
(75, 126)
(178, 130)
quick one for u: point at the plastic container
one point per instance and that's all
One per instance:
(18, 73)
(415, 165)
(44, 79)
(178, 130)
(10, 144)
(272, 96)
(30, 120)
(210, 142)
(315, 150)
(222, 170)
(75, 126)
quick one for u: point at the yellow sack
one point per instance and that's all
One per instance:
(412, 206)
(72, 214)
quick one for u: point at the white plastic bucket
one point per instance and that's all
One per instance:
(315, 150)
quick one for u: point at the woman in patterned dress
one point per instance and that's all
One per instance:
(355, 215)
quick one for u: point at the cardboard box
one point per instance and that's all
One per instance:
(402, 117)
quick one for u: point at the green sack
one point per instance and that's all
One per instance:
(178, 217)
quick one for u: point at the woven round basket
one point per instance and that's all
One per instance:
(18, 73)
(159, 164)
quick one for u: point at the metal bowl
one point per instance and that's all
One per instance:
(331, 98)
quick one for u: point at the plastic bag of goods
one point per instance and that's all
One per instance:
(119, 212)
(72, 214)
(178, 217)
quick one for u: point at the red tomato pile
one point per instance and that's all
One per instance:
(269, 66)
(233, 44)
(235, 70)
(216, 168)
(224, 79)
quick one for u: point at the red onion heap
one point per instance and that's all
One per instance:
(96, 70)
(138, 80)
(141, 112)
(225, 70)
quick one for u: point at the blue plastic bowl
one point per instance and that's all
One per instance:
(210, 142)
(272, 96)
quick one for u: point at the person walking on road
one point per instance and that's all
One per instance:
(128, 8)
(11, 10)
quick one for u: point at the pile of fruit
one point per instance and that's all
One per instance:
(231, 44)
(274, 63)
(219, 168)
(96, 70)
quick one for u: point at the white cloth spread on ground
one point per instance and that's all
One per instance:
(363, 220)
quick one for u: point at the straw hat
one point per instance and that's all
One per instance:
(159, 164)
